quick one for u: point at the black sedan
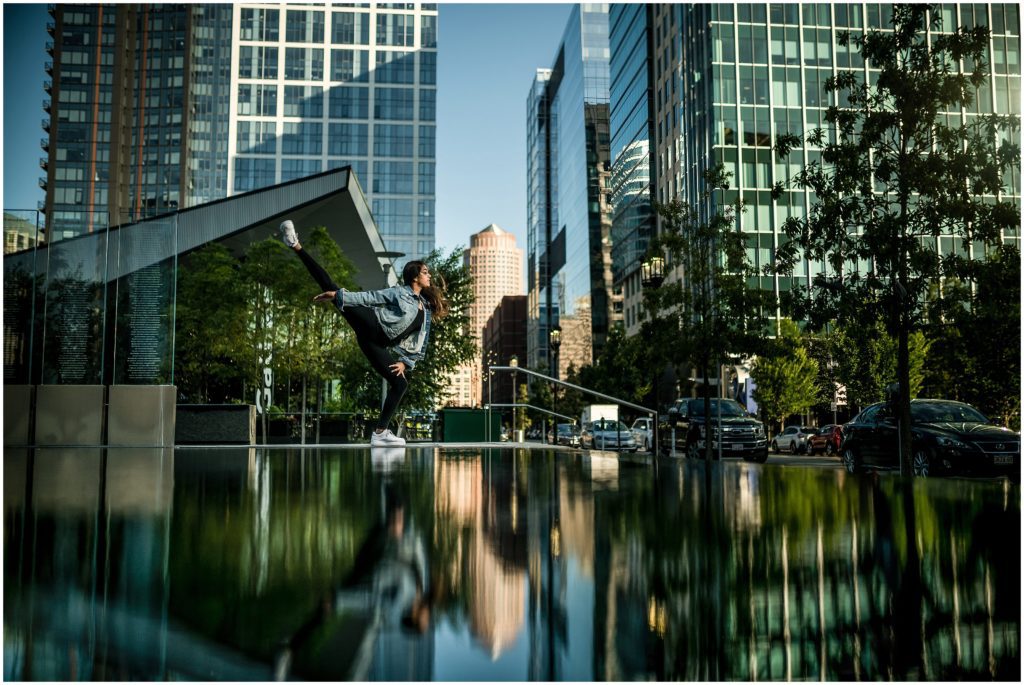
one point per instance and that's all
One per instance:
(948, 437)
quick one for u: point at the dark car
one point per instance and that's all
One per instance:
(827, 440)
(742, 435)
(947, 437)
(568, 434)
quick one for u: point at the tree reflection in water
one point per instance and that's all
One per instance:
(537, 566)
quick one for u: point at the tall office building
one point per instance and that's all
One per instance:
(631, 122)
(156, 107)
(495, 264)
(727, 78)
(568, 205)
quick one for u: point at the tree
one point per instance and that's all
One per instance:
(210, 332)
(975, 332)
(711, 306)
(786, 377)
(895, 173)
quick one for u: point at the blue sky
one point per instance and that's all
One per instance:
(488, 54)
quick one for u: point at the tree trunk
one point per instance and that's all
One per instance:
(303, 419)
(708, 452)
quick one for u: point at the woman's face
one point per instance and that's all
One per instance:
(423, 279)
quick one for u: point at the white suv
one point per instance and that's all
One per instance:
(643, 431)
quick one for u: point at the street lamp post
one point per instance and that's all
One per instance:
(555, 342)
(652, 275)
(514, 363)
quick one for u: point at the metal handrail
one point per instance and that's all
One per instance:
(567, 384)
(530, 406)
(519, 369)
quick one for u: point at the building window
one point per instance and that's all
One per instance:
(257, 61)
(428, 31)
(304, 101)
(392, 178)
(350, 28)
(347, 139)
(257, 137)
(304, 64)
(428, 68)
(392, 140)
(395, 67)
(252, 173)
(428, 104)
(349, 102)
(427, 143)
(425, 182)
(304, 26)
(393, 103)
(302, 138)
(298, 168)
(257, 100)
(259, 24)
(350, 65)
(394, 215)
(395, 29)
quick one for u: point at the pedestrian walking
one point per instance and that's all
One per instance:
(392, 325)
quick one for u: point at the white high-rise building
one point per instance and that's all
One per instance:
(496, 267)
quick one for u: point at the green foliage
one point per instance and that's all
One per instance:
(975, 351)
(621, 368)
(450, 346)
(894, 174)
(866, 361)
(210, 327)
(786, 377)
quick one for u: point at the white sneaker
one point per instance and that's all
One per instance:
(385, 439)
(288, 234)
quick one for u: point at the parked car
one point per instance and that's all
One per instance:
(793, 439)
(643, 431)
(743, 435)
(606, 434)
(827, 440)
(567, 434)
(947, 437)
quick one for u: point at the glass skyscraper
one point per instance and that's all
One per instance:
(569, 216)
(631, 120)
(156, 107)
(728, 78)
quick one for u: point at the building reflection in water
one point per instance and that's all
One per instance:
(202, 564)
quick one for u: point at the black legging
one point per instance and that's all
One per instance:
(372, 341)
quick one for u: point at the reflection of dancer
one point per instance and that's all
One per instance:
(386, 587)
(392, 318)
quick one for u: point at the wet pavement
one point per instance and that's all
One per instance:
(498, 564)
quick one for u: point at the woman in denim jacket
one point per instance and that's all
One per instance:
(393, 318)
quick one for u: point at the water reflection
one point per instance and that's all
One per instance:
(246, 564)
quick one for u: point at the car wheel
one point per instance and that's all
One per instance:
(830, 449)
(792, 447)
(693, 451)
(922, 462)
(760, 458)
(850, 461)
(647, 445)
(775, 446)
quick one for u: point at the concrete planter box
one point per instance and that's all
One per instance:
(141, 416)
(19, 405)
(70, 414)
(215, 424)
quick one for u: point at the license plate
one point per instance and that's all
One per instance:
(1002, 459)
(737, 447)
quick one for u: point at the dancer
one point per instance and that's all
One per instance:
(395, 318)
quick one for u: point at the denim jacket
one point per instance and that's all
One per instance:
(395, 307)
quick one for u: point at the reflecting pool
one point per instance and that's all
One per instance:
(443, 564)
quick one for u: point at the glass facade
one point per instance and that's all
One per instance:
(631, 136)
(210, 123)
(757, 70)
(356, 86)
(569, 218)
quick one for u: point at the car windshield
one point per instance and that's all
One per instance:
(609, 425)
(729, 408)
(938, 412)
(565, 428)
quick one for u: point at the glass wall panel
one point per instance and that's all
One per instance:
(142, 299)
(24, 277)
(74, 311)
